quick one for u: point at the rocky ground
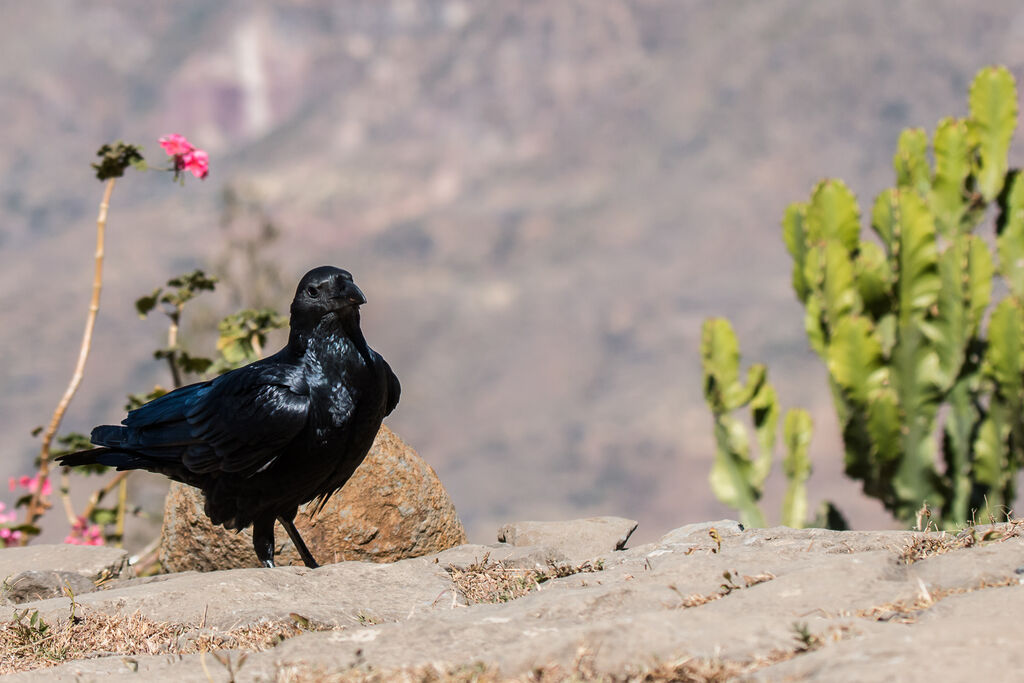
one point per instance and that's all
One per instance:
(705, 602)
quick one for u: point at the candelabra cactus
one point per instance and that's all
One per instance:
(737, 478)
(899, 321)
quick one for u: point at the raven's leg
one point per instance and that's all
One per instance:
(300, 545)
(263, 540)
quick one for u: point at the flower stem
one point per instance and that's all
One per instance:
(37, 506)
(122, 508)
(99, 494)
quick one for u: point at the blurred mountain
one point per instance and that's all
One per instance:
(542, 201)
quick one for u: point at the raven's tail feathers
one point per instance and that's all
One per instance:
(111, 457)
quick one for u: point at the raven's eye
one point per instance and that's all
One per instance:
(312, 291)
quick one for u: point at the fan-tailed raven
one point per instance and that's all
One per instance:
(266, 438)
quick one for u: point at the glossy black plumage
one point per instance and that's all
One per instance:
(264, 439)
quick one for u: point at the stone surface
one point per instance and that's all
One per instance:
(93, 562)
(871, 616)
(38, 584)
(580, 539)
(393, 507)
(520, 557)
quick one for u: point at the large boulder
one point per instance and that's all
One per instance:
(392, 508)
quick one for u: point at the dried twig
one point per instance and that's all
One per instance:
(37, 506)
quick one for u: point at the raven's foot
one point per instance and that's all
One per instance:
(300, 545)
(263, 541)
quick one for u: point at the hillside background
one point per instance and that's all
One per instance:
(541, 200)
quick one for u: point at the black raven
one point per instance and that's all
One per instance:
(266, 438)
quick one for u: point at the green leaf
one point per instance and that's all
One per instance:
(1003, 358)
(797, 431)
(136, 400)
(103, 516)
(1010, 234)
(978, 285)
(957, 446)
(855, 358)
(764, 409)
(720, 356)
(71, 442)
(194, 364)
(918, 282)
(795, 236)
(874, 278)
(730, 472)
(833, 215)
(115, 158)
(989, 449)
(884, 425)
(883, 220)
(911, 161)
(948, 197)
(814, 325)
(965, 270)
(993, 106)
(145, 305)
(840, 291)
(188, 286)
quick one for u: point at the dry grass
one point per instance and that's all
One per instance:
(690, 670)
(929, 545)
(682, 670)
(727, 587)
(28, 642)
(904, 611)
(489, 582)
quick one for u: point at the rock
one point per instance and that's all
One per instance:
(92, 562)
(699, 533)
(519, 557)
(42, 584)
(392, 508)
(767, 604)
(343, 595)
(580, 539)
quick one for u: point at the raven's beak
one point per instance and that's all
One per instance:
(350, 294)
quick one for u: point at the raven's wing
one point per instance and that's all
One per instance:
(394, 388)
(238, 422)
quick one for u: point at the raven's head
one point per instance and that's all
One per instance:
(323, 291)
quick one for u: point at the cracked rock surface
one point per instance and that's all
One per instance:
(773, 604)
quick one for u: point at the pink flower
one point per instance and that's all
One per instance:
(83, 534)
(197, 162)
(30, 484)
(186, 156)
(176, 145)
(9, 537)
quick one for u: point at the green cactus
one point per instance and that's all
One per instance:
(899, 322)
(797, 466)
(737, 478)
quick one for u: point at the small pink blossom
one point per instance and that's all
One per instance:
(9, 537)
(30, 484)
(197, 162)
(176, 145)
(84, 534)
(186, 156)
